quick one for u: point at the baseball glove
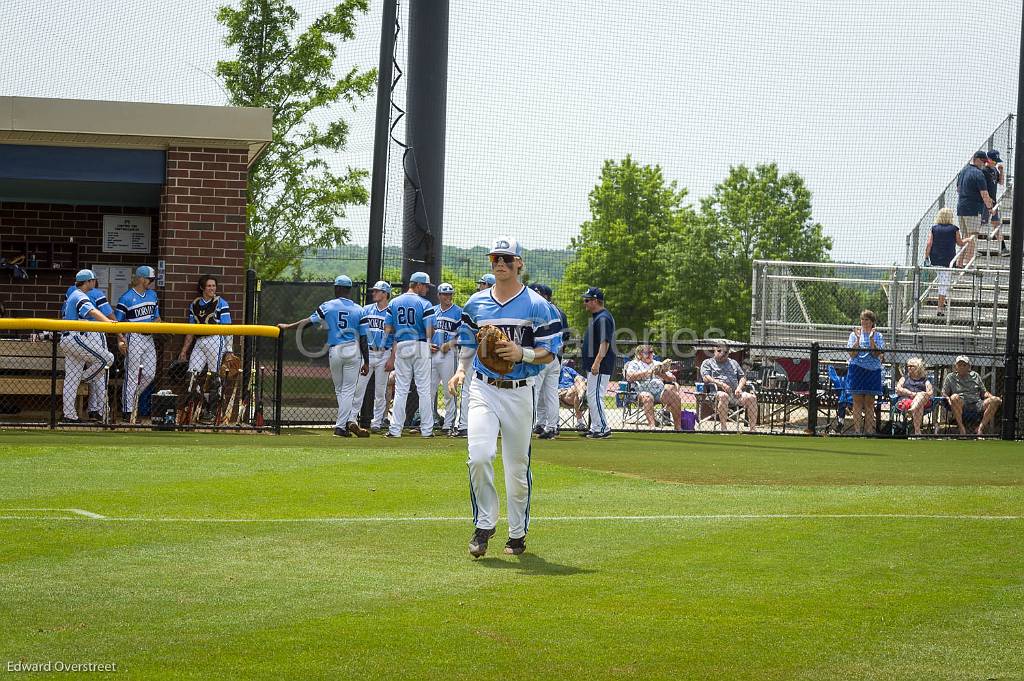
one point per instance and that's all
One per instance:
(487, 350)
(231, 367)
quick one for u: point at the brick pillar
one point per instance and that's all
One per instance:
(203, 226)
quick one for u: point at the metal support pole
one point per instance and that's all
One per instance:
(53, 380)
(278, 383)
(1012, 355)
(812, 392)
(381, 138)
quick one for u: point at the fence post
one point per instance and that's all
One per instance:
(53, 379)
(278, 383)
(812, 393)
(249, 342)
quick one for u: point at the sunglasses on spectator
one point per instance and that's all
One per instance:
(502, 257)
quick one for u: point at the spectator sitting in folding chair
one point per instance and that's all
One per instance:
(572, 392)
(914, 392)
(728, 377)
(654, 383)
(968, 399)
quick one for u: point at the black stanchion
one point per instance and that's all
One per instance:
(278, 383)
(812, 393)
(53, 379)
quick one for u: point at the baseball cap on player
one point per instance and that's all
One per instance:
(84, 275)
(487, 279)
(382, 286)
(536, 287)
(994, 155)
(594, 293)
(420, 278)
(145, 271)
(342, 280)
(445, 287)
(981, 154)
(546, 290)
(506, 245)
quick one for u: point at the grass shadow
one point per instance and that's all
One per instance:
(532, 564)
(775, 447)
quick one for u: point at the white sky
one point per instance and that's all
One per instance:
(875, 103)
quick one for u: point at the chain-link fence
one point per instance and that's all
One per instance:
(133, 378)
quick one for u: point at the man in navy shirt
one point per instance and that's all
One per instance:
(972, 202)
(598, 359)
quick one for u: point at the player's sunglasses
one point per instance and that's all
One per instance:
(501, 257)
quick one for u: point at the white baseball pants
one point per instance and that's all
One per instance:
(510, 411)
(345, 361)
(464, 406)
(140, 354)
(442, 368)
(596, 387)
(207, 353)
(86, 358)
(546, 395)
(378, 358)
(412, 362)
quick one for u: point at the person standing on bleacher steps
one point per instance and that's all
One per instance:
(86, 357)
(137, 304)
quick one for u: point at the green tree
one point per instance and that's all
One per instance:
(634, 212)
(757, 214)
(295, 199)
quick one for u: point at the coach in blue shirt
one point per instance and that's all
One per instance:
(598, 359)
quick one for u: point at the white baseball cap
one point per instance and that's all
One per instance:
(420, 278)
(445, 287)
(506, 245)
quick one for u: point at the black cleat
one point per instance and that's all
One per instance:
(95, 416)
(548, 435)
(538, 430)
(514, 547)
(461, 432)
(342, 432)
(355, 429)
(478, 544)
(599, 436)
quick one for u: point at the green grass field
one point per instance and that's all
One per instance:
(649, 557)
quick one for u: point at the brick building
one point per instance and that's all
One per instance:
(113, 185)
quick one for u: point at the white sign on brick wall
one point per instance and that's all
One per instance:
(127, 233)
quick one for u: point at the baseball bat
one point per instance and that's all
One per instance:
(135, 403)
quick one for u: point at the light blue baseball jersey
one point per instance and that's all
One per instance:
(527, 319)
(97, 297)
(446, 324)
(343, 319)
(136, 307)
(411, 317)
(375, 321)
(559, 340)
(221, 315)
(78, 306)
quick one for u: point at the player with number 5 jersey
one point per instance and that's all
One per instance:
(348, 354)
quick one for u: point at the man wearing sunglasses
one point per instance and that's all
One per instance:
(137, 304)
(504, 402)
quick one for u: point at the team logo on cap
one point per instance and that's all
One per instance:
(502, 244)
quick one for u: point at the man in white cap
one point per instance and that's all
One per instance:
(502, 401)
(443, 346)
(86, 357)
(138, 304)
(379, 341)
(410, 319)
(348, 354)
(968, 399)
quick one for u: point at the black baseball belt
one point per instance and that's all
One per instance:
(499, 383)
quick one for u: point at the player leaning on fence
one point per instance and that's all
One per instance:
(348, 355)
(86, 357)
(505, 364)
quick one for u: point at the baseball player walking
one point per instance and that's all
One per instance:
(348, 355)
(447, 320)
(482, 284)
(598, 359)
(379, 341)
(137, 304)
(503, 402)
(209, 351)
(410, 319)
(85, 352)
(546, 388)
